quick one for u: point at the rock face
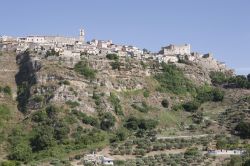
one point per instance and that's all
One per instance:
(42, 81)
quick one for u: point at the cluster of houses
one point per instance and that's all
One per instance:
(70, 48)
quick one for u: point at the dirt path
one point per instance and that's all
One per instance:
(106, 152)
(185, 136)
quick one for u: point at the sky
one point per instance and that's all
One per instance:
(221, 27)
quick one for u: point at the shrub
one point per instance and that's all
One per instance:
(38, 98)
(191, 152)
(83, 69)
(243, 129)
(7, 90)
(120, 135)
(165, 103)
(39, 116)
(191, 106)
(112, 56)
(116, 65)
(197, 117)
(107, 121)
(218, 95)
(90, 120)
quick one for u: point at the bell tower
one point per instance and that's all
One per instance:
(82, 34)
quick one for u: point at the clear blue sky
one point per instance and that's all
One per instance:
(218, 26)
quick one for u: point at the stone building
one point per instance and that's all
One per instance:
(176, 50)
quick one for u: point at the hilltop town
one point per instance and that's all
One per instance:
(73, 49)
(67, 101)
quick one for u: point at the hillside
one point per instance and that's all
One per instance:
(54, 111)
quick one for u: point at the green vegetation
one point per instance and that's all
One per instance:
(191, 152)
(112, 56)
(65, 82)
(51, 52)
(173, 80)
(191, 106)
(52, 136)
(6, 90)
(86, 119)
(83, 68)
(207, 93)
(72, 104)
(132, 123)
(115, 101)
(146, 93)
(165, 103)
(243, 129)
(239, 81)
(116, 65)
(142, 107)
(5, 115)
(204, 94)
(218, 78)
(107, 121)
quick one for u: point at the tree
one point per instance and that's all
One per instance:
(21, 152)
(165, 103)
(218, 78)
(247, 163)
(243, 129)
(218, 95)
(191, 106)
(112, 56)
(248, 77)
(61, 130)
(116, 65)
(132, 123)
(43, 139)
(107, 121)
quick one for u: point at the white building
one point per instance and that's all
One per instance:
(226, 152)
(176, 50)
(35, 39)
(98, 159)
